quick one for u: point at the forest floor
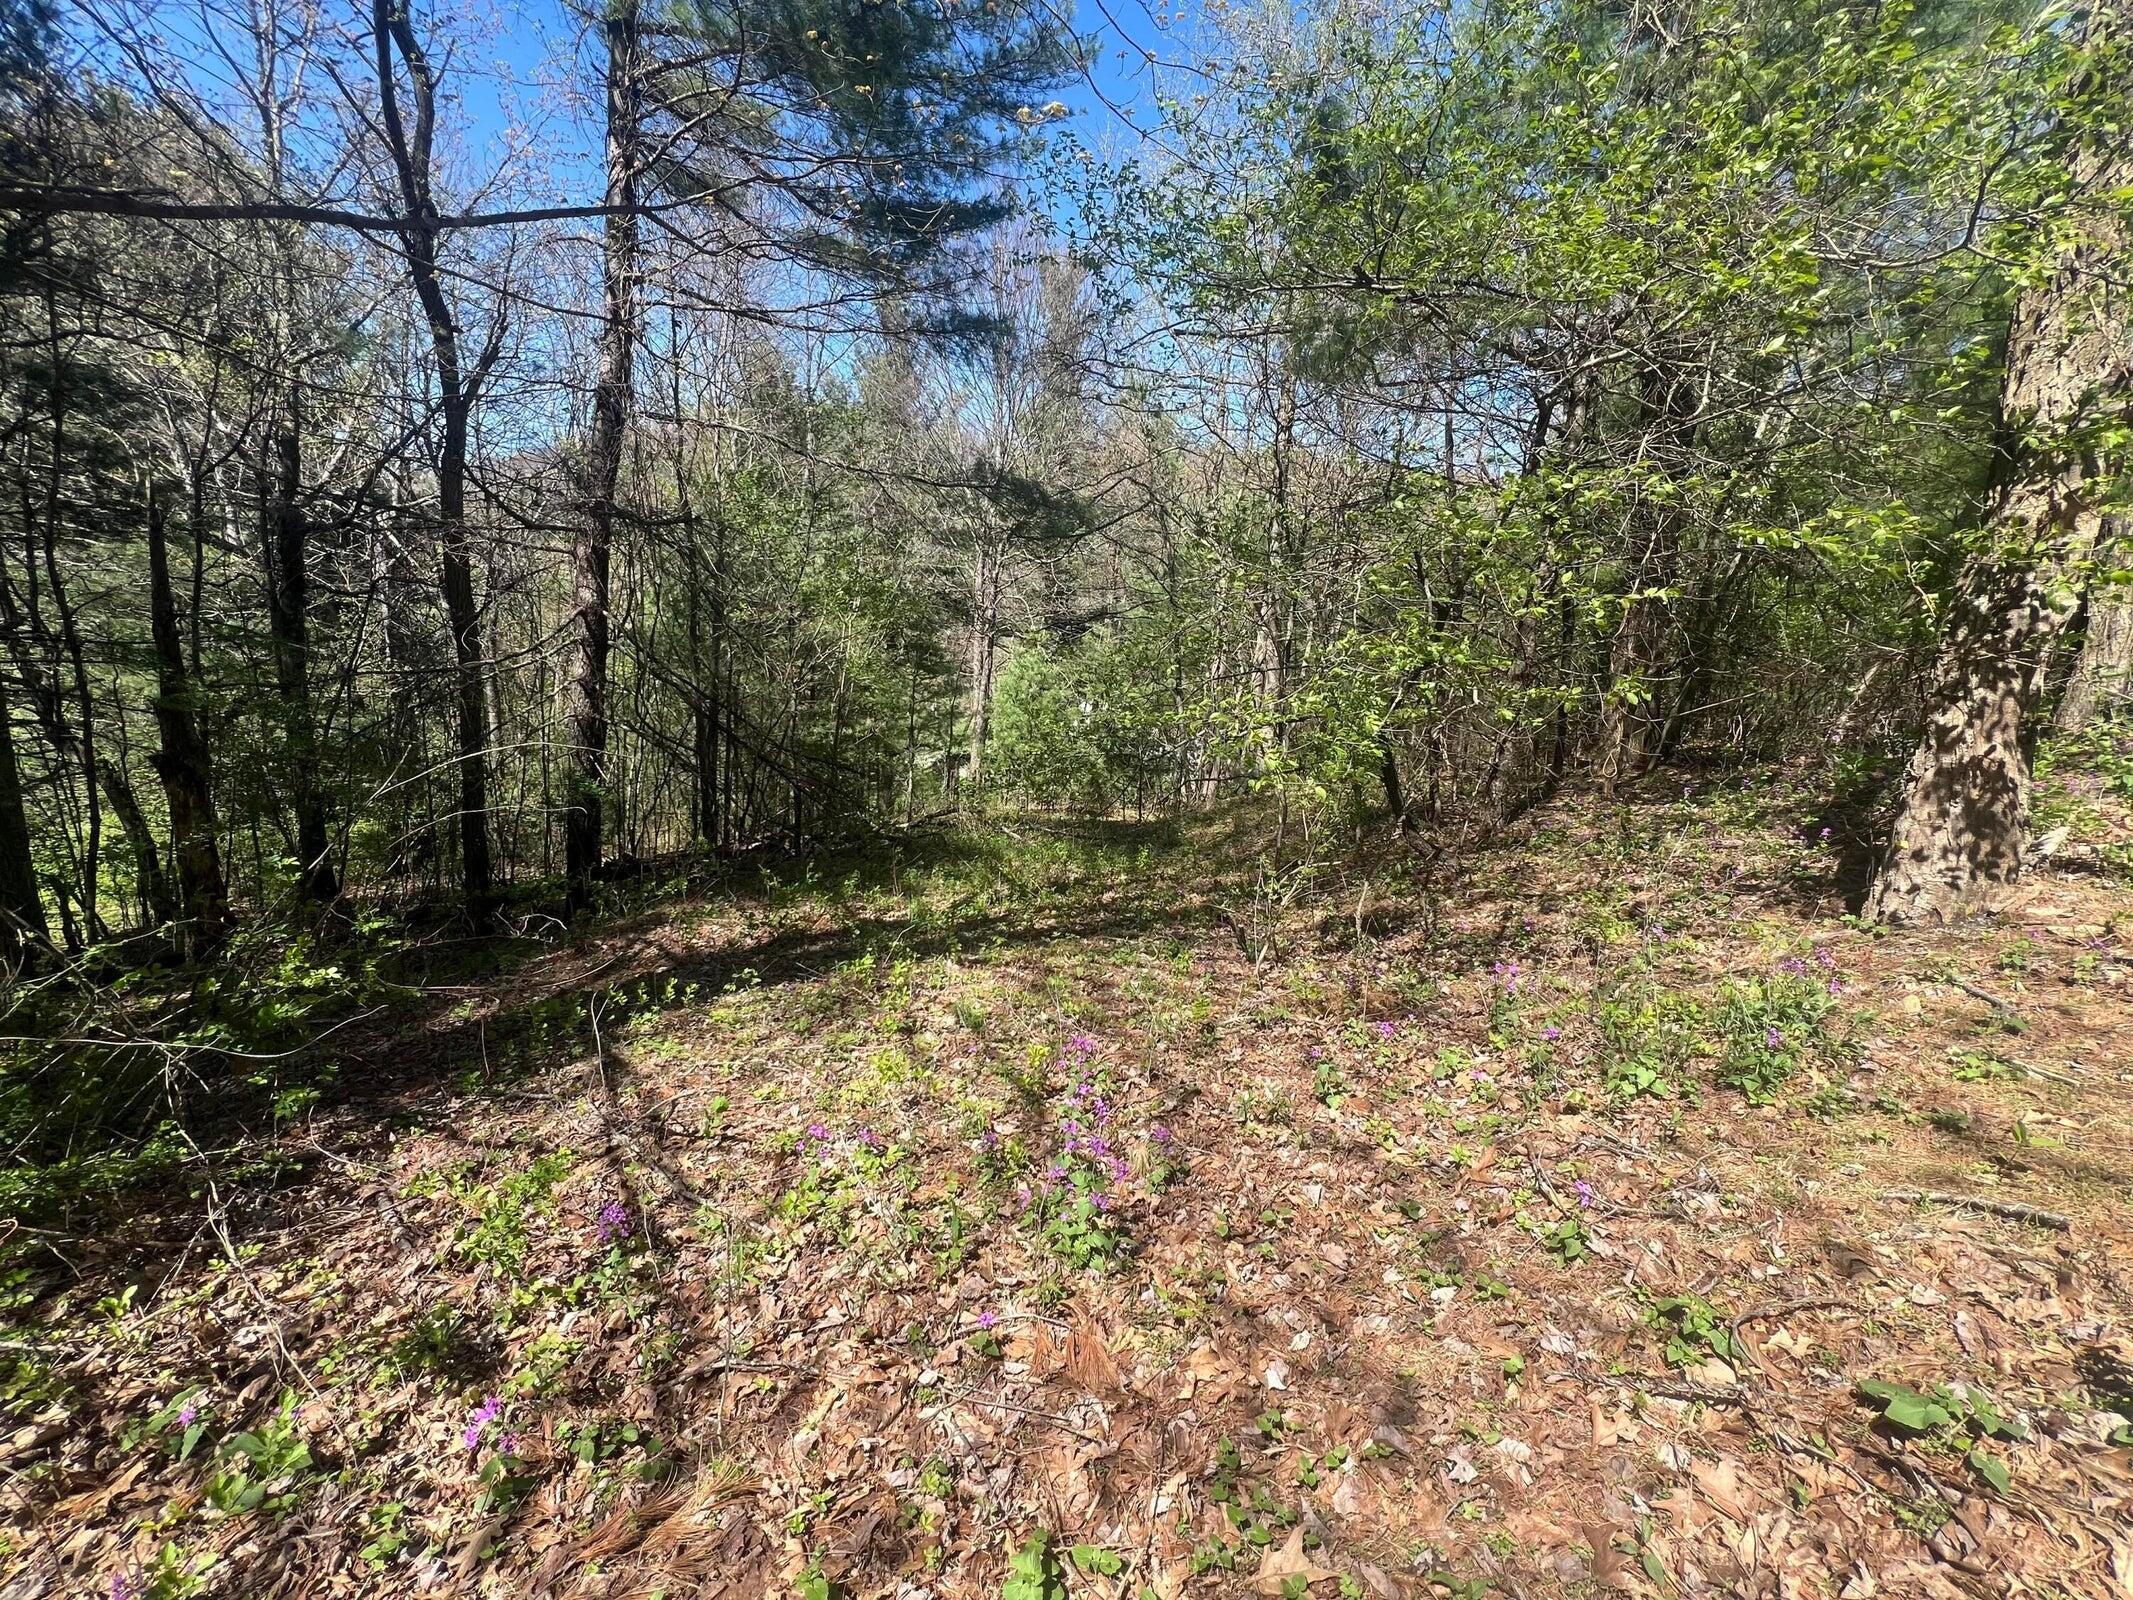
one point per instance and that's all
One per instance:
(1599, 1210)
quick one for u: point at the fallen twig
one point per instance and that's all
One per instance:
(2014, 1210)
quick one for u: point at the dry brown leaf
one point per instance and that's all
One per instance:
(1286, 1563)
(1610, 1568)
(1721, 1485)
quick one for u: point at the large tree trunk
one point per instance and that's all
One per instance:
(183, 762)
(22, 922)
(286, 534)
(2103, 676)
(1961, 834)
(586, 703)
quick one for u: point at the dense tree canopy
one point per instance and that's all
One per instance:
(1439, 407)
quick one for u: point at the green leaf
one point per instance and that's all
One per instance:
(1992, 1471)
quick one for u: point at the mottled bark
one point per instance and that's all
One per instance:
(1962, 831)
(182, 761)
(2102, 679)
(585, 708)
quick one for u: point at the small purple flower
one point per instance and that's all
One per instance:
(1099, 1200)
(188, 1414)
(1772, 1038)
(1387, 1029)
(1551, 1033)
(1160, 1134)
(1583, 1190)
(125, 1586)
(507, 1443)
(872, 1140)
(1792, 966)
(991, 1140)
(613, 1222)
(988, 1320)
(472, 1436)
(1082, 1045)
(1827, 832)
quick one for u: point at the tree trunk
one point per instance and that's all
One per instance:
(2103, 676)
(1630, 721)
(1961, 833)
(457, 387)
(586, 699)
(22, 922)
(183, 763)
(984, 654)
(288, 597)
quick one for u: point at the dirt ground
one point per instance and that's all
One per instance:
(1524, 1221)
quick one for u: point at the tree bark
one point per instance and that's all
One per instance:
(1962, 831)
(585, 784)
(22, 924)
(1629, 719)
(2103, 675)
(183, 763)
(457, 388)
(287, 534)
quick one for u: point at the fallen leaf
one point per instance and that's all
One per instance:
(1286, 1563)
(1610, 1568)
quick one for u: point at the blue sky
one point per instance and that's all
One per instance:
(524, 44)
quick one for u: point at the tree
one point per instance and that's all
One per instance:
(1961, 832)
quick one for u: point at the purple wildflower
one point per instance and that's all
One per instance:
(188, 1414)
(472, 1436)
(1551, 1033)
(992, 1139)
(988, 1320)
(872, 1140)
(1160, 1134)
(1387, 1029)
(1774, 1039)
(125, 1586)
(507, 1443)
(613, 1222)
(1583, 1190)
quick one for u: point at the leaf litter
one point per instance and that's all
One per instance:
(1548, 1233)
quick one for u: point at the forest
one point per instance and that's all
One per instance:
(956, 798)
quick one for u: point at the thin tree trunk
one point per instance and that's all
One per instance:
(457, 388)
(586, 697)
(288, 598)
(183, 762)
(1630, 718)
(1962, 832)
(22, 923)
